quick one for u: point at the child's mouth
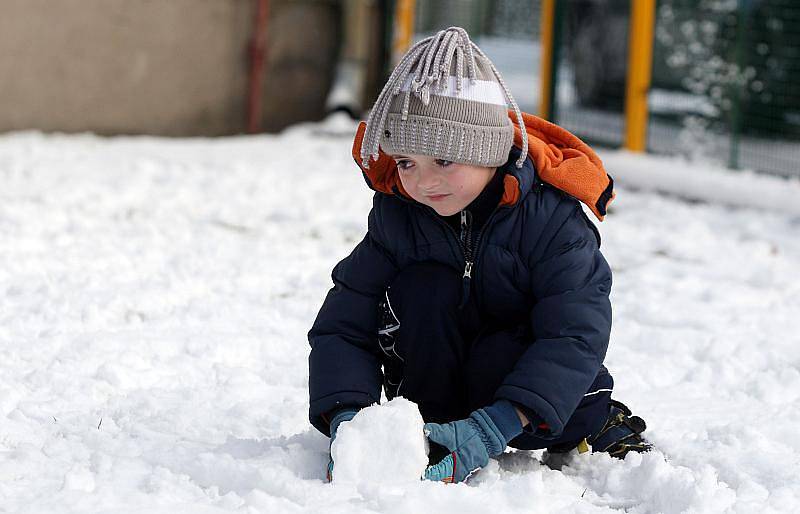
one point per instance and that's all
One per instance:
(437, 198)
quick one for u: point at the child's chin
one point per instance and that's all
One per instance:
(445, 211)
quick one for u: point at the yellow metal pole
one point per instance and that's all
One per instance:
(546, 65)
(640, 63)
(403, 28)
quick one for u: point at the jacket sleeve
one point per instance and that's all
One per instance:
(344, 367)
(570, 321)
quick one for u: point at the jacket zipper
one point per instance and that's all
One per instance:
(466, 244)
(469, 262)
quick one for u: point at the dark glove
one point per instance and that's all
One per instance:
(472, 441)
(340, 417)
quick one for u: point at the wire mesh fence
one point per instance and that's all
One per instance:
(725, 74)
(726, 83)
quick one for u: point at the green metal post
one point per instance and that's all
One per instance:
(739, 84)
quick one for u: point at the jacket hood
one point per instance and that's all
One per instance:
(559, 158)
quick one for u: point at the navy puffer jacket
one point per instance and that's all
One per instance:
(538, 262)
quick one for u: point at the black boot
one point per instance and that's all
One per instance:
(622, 433)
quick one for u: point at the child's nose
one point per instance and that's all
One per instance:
(428, 180)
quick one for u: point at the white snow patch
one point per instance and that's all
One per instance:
(703, 182)
(382, 444)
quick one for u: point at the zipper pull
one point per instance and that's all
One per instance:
(465, 281)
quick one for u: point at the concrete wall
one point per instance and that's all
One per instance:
(303, 38)
(166, 67)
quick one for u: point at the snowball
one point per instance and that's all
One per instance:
(383, 444)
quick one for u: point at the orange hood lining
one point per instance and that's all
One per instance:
(560, 158)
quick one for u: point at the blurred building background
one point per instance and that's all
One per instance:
(164, 67)
(711, 79)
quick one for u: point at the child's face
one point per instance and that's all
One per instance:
(445, 186)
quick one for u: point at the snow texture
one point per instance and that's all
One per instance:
(155, 296)
(382, 444)
(707, 183)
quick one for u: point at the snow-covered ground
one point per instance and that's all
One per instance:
(155, 297)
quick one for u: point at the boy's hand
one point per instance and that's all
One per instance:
(468, 451)
(339, 418)
(472, 441)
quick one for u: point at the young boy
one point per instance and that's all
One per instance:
(479, 291)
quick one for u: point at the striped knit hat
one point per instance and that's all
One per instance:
(428, 108)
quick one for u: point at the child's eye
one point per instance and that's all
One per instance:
(443, 163)
(404, 164)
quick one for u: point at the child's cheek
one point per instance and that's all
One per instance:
(408, 185)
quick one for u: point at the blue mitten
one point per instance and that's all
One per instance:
(339, 418)
(472, 441)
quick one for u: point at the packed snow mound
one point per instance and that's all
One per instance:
(382, 444)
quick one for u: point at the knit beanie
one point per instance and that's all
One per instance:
(445, 99)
